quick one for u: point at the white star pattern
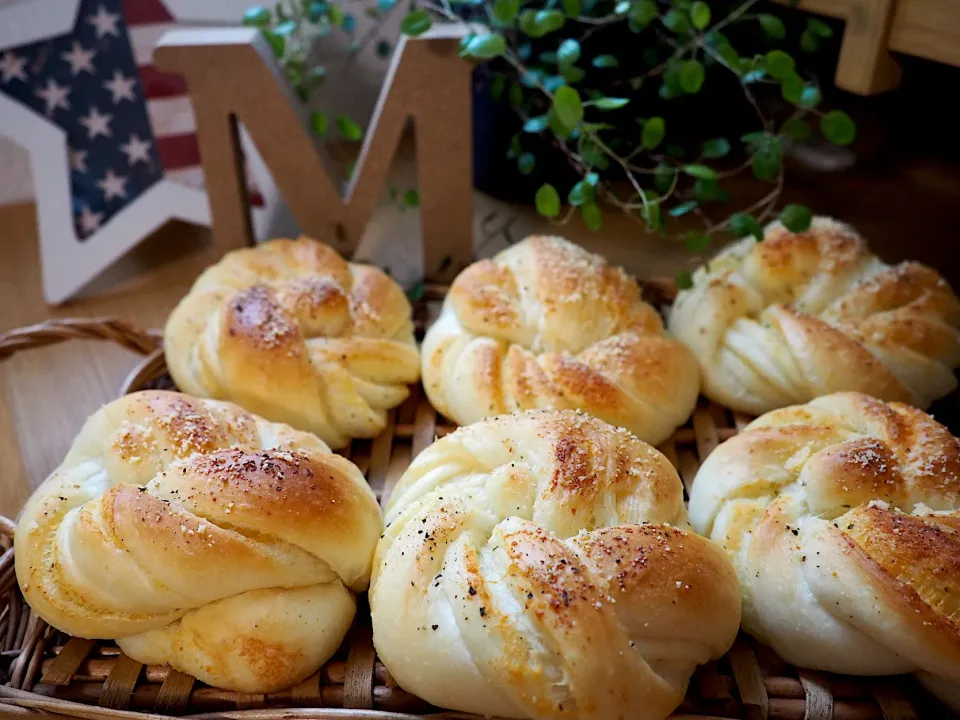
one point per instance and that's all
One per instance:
(11, 68)
(96, 123)
(80, 59)
(54, 95)
(78, 160)
(121, 87)
(113, 186)
(89, 220)
(105, 22)
(136, 150)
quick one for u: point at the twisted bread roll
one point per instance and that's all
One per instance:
(842, 517)
(802, 315)
(545, 324)
(291, 331)
(203, 537)
(515, 577)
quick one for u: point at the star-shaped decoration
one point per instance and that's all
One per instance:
(105, 23)
(89, 220)
(54, 95)
(80, 59)
(113, 185)
(11, 68)
(97, 123)
(78, 160)
(121, 87)
(137, 150)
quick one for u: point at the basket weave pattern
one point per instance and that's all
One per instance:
(44, 671)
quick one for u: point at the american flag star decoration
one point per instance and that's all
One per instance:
(112, 140)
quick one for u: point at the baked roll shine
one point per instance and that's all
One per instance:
(536, 565)
(198, 535)
(545, 324)
(291, 331)
(797, 316)
(842, 517)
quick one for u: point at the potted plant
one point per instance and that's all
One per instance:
(648, 107)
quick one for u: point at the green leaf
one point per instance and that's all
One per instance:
(700, 171)
(642, 14)
(416, 291)
(773, 26)
(547, 21)
(605, 61)
(257, 16)
(663, 178)
(572, 74)
(696, 242)
(677, 21)
(411, 198)
(548, 201)
(349, 23)
(622, 8)
(354, 47)
(319, 123)
(778, 64)
(691, 76)
(683, 208)
(809, 42)
(743, 224)
(415, 23)
(651, 216)
(755, 139)
(557, 125)
(505, 11)
(796, 129)
(535, 124)
(553, 82)
(818, 28)
(484, 47)
(516, 150)
(796, 218)
(766, 157)
(568, 52)
(654, 131)
(385, 5)
(753, 76)
(592, 179)
(683, 279)
(276, 42)
(317, 11)
(335, 14)
(525, 163)
(515, 96)
(524, 50)
(705, 191)
(718, 148)
(581, 194)
(592, 216)
(571, 8)
(791, 87)
(567, 104)
(497, 87)
(594, 157)
(838, 128)
(609, 103)
(700, 15)
(348, 128)
(527, 22)
(810, 97)
(384, 48)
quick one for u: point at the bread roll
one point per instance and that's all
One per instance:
(292, 332)
(842, 517)
(802, 315)
(203, 537)
(545, 324)
(535, 566)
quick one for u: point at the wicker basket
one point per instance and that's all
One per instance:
(46, 673)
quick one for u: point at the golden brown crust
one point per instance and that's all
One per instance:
(545, 324)
(516, 545)
(168, 505)
(843, 518)
(257, 327)
(802, 315)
